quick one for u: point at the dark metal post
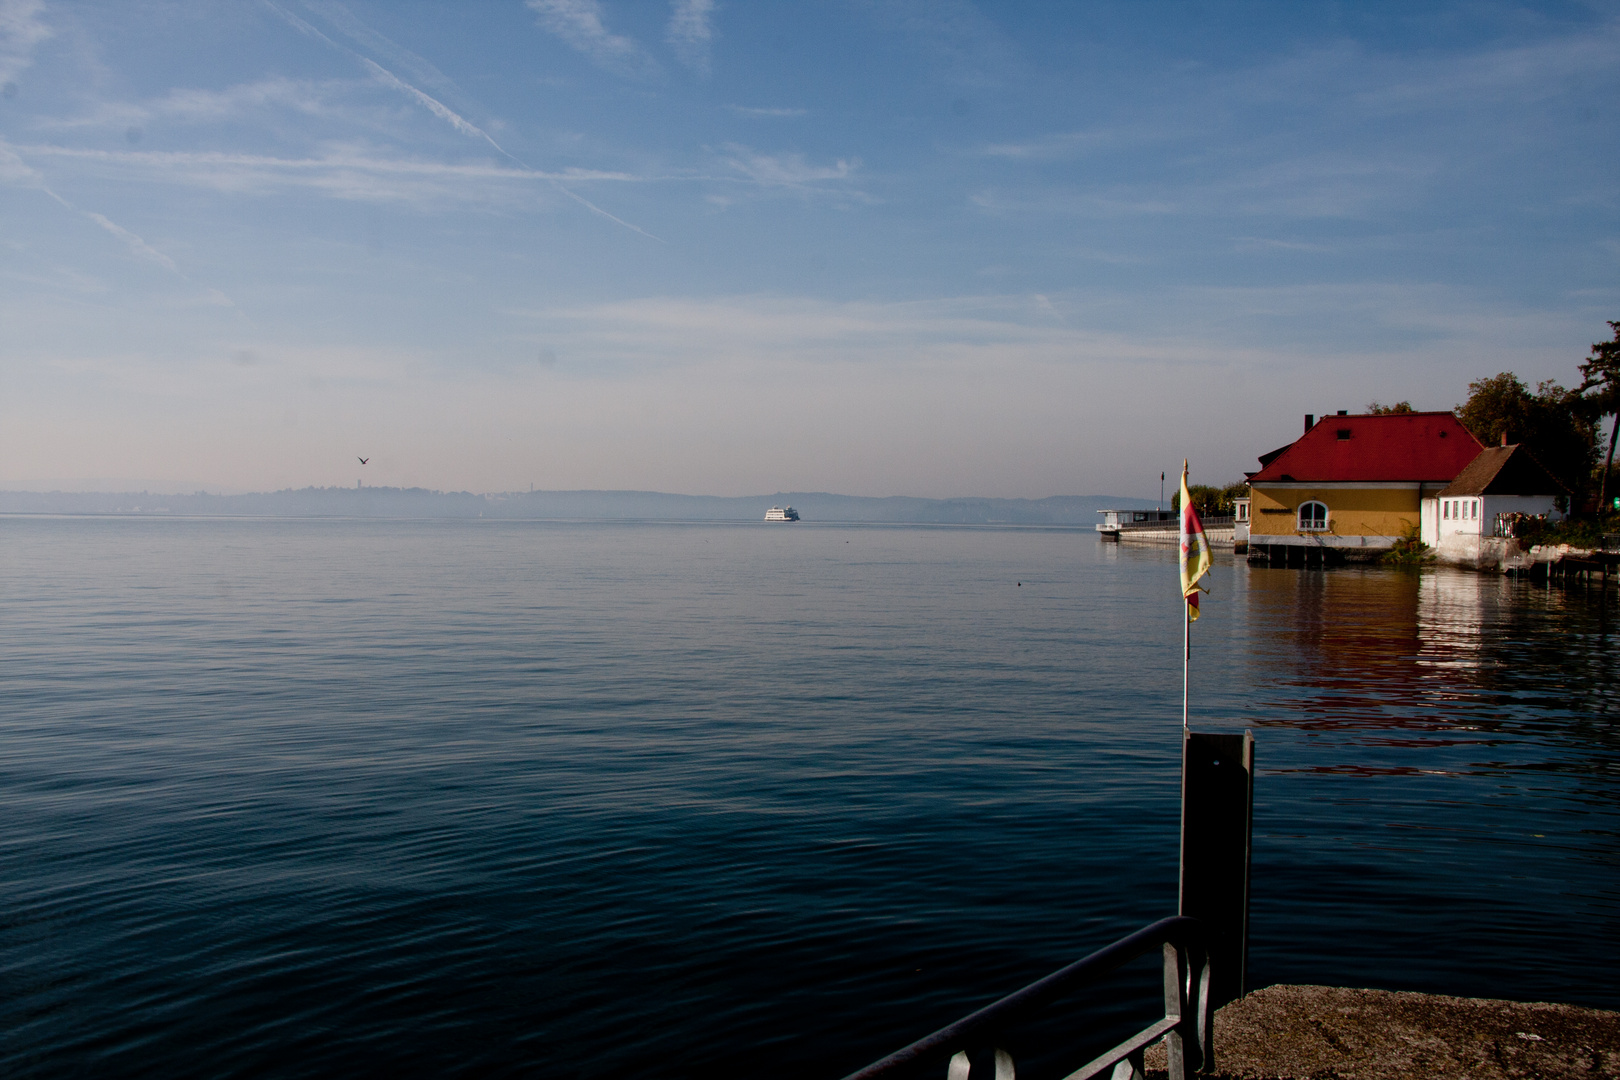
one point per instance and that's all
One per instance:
(1217, 809)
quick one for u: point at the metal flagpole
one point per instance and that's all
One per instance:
(1186, 654)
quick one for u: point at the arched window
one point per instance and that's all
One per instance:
(1313, 516)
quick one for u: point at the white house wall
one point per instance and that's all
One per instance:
(1438, 530)
(1429, 522)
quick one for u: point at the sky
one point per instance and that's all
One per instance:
(877, 247)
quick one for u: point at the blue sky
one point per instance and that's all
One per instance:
(924, 248)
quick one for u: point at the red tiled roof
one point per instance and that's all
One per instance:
(1431, 447)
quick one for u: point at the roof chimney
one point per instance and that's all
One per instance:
(1310, 421)
(1344, 412)
(1504, 438)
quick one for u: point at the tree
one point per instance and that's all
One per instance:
(1384, 410)
(1600, 390)
(1210, 501)
(1553, 424)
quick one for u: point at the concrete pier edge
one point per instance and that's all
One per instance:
(1333, 1033)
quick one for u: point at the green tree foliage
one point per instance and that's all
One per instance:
(1384, 410)
(1552, 423)
(1212, 501)
(1600, 390)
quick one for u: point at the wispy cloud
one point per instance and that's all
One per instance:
(964, 45)
(792, 171)
(387, 78)
(579, 23)
(1519, 73)
(196, 106)
(690, 34)
(345, 173)
(1058, 147)
(1266, 245)
(1108, 203)
(420, 69)
(1239, 181)
(21, 29)
(449, 115)
(1192, 327)
(747, 110)
(14, 170)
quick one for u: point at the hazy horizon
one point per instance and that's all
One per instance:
(135, 487)
(863, 246)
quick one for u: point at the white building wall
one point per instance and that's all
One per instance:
(1467, 541)
(1439, 521)
(1437, 529)
(1429, 521)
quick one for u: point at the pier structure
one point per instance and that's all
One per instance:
(1204, 949)
(1321, 1032)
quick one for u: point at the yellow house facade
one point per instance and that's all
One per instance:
(1352, 510)
(1352, 486)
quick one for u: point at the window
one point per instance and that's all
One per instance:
(1344, 433)
(1313, 517)
(1445, 509)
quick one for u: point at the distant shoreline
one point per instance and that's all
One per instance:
(423, 504)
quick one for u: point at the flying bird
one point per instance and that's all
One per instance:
(364, 460)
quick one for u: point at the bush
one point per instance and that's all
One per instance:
(1408, 550)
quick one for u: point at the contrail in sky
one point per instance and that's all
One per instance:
(440, 109)
(18, 169)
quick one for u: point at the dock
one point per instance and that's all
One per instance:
(1220, 537)
(1322, 1032)
(1162, 527)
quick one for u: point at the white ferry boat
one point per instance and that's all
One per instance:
(777, 513)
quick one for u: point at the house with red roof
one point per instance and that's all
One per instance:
(1351, 486)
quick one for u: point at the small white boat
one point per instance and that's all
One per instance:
(778, 513)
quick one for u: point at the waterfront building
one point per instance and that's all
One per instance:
(1115, 520)
(1481, 502)
(1352, 486)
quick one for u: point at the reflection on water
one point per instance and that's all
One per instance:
(571, 799)
(1449, 799)
(1444, 652)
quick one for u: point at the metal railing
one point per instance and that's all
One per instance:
(973, 1047)
(1171, 525)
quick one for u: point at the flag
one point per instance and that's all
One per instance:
(1195, 558)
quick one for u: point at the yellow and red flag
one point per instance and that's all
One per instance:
(1195, 557)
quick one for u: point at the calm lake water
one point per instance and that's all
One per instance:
(316, 797)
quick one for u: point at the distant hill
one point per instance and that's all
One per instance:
(385, 502)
